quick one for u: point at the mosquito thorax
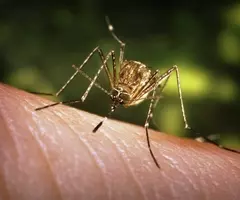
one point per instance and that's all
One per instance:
(120, 95)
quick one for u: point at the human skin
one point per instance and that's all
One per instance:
(53, 154)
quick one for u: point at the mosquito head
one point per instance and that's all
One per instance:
(120, 96)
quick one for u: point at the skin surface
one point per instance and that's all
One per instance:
(53, 154)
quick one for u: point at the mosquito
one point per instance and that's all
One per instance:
(133, 83)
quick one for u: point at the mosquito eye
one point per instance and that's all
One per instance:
(124, 96)
(115, 93)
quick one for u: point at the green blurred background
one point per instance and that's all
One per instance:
(39, 42)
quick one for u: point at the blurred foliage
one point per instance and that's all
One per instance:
(39, 42)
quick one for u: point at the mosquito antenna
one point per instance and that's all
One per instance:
(113, 108)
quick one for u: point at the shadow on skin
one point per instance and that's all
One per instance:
(53, 154)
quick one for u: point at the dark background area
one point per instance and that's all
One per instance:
(39, 42)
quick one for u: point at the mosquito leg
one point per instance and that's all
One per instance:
(146, 125)
(157, 97)
(112, 79)
(165, 76)
(90, 79)
(201, 138)
(96, 76)
(122, 44)
(78, 70)
(160, 90)
(180, 97)
(75, 101)
(211, 141)
(121, 56)
(40, 93)
(153, 104)
(81, 66)
(184, 115)
(96, 49)
(57, 103)
(114, 70)
(100, 53)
